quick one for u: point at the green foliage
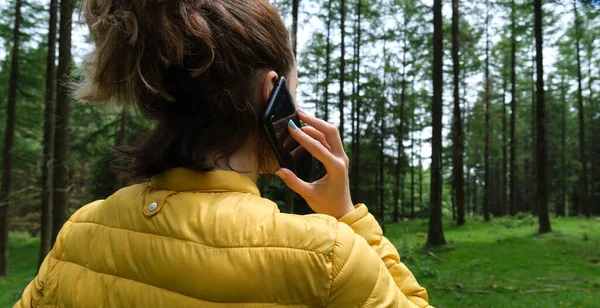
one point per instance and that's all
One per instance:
(103, 179)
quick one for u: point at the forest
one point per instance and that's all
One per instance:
(466, 123)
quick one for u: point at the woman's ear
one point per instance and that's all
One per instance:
(268, 82)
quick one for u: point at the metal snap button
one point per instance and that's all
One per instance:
(152, 206)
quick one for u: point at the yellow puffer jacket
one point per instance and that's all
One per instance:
(191, 239)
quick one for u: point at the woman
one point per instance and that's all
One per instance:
(199, 234)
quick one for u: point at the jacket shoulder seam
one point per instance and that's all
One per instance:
(337, 233)
(372, 289)
(202, 244)
(346, 261)
(168, 290)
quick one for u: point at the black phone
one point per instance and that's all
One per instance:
(280, 110)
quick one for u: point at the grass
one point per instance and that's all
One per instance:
(504, 263)
(24, 253)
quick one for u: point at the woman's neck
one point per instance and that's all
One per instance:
(242, 161)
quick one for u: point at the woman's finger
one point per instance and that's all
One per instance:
(317, 135)
(329, 131)
(293, 182)
(314, 147)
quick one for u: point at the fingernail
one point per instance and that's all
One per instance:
(301, 111)
(292, 124)
(280, 174)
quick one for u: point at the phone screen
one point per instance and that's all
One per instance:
(280, 110)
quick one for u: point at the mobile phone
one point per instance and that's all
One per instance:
(279, 111)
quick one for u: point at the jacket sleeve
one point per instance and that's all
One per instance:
(367, 271)
(34, 292)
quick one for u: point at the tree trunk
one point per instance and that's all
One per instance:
(468, 192)
(289, 194)
(487, 189)
(376, 211)
(533, 182)
(9, 136)
(435, 235)
(420, 176)
(288, 199)
(400, 133)
(458, 176)
(295, 4)
(353, 118)
(503, 199)
(453, 202)
(327, 63)
(342, 65)
(467, 110)
(381, 187)
(563, 202)
(382, 128)
(592, 191)
(48, 143)
(542, 173)
(356, 143)
(583, 180)
(61, 129)
(513, 115)
(412, 172)
(475, 194)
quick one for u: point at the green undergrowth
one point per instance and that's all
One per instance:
(505, 262)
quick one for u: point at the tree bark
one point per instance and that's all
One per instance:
(533, 182)
(61, 129)
(382, 129)
(513, 115)
(583, 180)
(9, 136)
(563, 202)
(592, 192)
(593, 207)
(420, 176)
(412, 172)
(503, 205)
(542, 173)
(457, 168)
(435, 236)
(475, 194)
(356, 143)
(295, 5)
(48, 143)
(327, 62)
(487, 189)
(342, 65)
(400, 134)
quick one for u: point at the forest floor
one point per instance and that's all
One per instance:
(503, 263)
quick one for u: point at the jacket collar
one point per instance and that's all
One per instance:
(181, 179)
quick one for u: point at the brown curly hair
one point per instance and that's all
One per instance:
(190, 65)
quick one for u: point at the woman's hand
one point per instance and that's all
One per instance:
(329, 195)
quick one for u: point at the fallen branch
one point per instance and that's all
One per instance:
(462, 290)
(537, 291)
(576, 280)
(564, 288)
(435, 256)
